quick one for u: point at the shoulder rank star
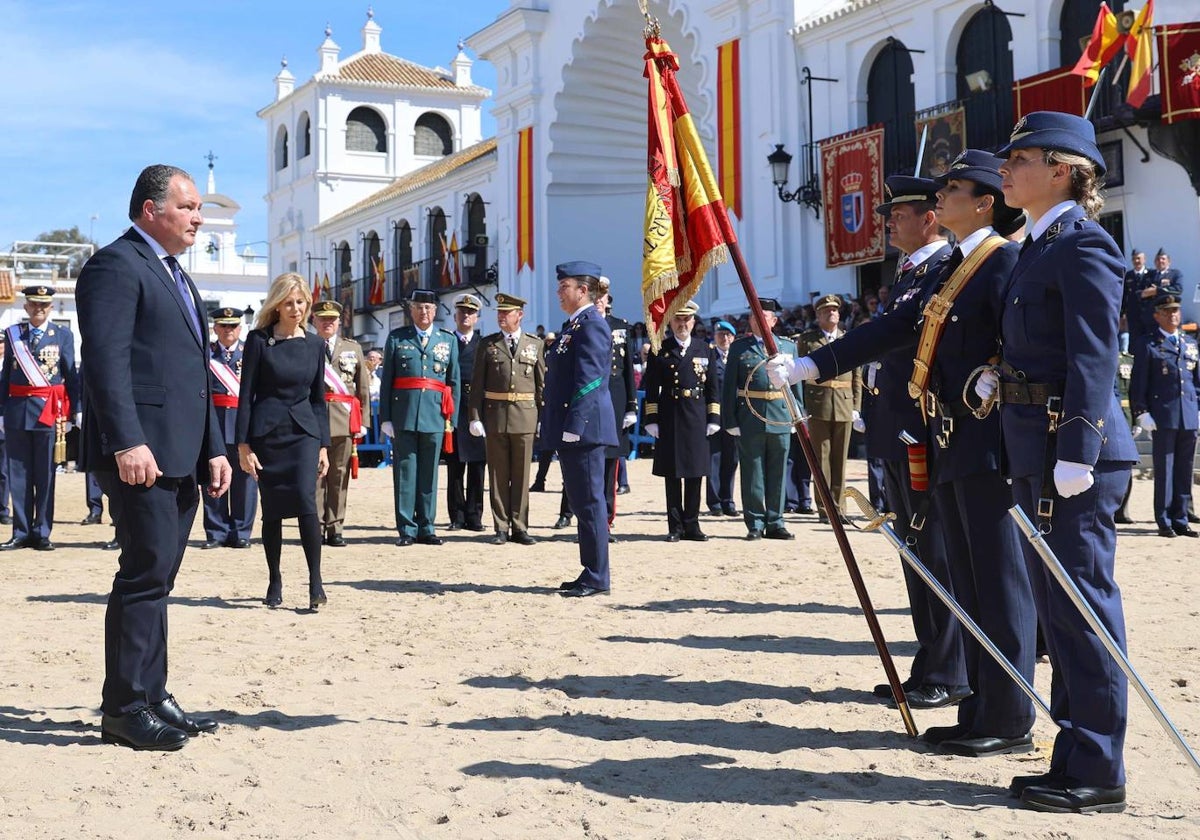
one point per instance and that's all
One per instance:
(921, 271)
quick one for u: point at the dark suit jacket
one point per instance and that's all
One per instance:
(56, 357)
(273, 396)
(147, 372)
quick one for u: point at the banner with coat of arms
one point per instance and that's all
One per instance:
(851, 188)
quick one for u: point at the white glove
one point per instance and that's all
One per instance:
(857, 423)
(570, 437)
(78, 418)
(538, 431)
(1071, 479)
(1146, 421)
(651, 429)
(362, 433)
(476, 428)
(711, 429)
(385, 429)
(68, 426)
(785, 370)
(987, 384)
(734, 430)
(1, 424)
(630, 419)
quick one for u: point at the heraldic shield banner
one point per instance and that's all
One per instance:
(851, 187)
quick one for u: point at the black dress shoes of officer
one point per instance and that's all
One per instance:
(754, 535)
(403, 541)
(569, 584)
(884, 690)
(730, 511)
(1123, 518)
(5, 519)
(622, 489)
(112, 545)
(477, 527)
(430, 539)
(934, 696)
(522, 538)
(1185, 531)
(1163, 531)
(91, 519)
(210, 544)
(41, 544)
(335, 541)
(695, 535)
(1065, 798)
(982, 746)
(562, 522)
(1191, 517)
(141, 730)
(169, 711)
(673, 536)
(779, 534)
(15, 543)
(234, 542)
(937, 735)
(806, 509)
(582, 590)
(537, 487)
(274, 595)
(454, 526)
(316, 597)
(1018, 784)
(500, 538)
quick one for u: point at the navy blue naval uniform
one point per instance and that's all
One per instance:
(1073, 350)
(30, 442)
(230, 518)
(578, 365)
(1164, 382)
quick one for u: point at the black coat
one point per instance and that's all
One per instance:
(467, 447)
(621, 386)
(682, 398)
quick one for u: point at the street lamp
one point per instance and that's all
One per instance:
(808, 194)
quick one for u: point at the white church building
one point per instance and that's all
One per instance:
(377, 156)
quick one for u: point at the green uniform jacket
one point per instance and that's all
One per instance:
(418, 410)
(744, 354)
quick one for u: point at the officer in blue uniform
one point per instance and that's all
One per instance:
(39, 391)
(229, 519)
(5, 519)
(1162, 396)
(578, 417)
(1068, 448)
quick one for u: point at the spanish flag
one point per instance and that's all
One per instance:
(377, 296)
(687, 226)
(1106, 42)
(1140, 48)
(316, 289)
(729, 124)
(525, 198)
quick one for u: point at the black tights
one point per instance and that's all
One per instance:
(310, 538)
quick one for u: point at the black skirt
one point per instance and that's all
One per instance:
(287, 482)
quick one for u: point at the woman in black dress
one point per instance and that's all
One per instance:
(283, 427)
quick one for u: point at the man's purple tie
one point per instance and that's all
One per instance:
(181, 283)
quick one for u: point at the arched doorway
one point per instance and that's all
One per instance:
(891, 100)
(985, 48)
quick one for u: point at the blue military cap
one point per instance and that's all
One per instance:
(422, 296)
(983, 168)
(725, 325)
(905, 189)
(1057, 131)
(1167, 300)
(38, 294)
(578, 268)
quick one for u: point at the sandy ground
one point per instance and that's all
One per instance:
(721, 691)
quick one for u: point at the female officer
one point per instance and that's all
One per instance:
(1068, 449)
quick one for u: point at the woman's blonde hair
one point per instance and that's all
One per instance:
(281, 287)
(1085, 183)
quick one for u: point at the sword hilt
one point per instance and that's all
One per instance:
(875, 519)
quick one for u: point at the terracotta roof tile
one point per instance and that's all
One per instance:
(416, 179)
(7, 292)
(384, 69)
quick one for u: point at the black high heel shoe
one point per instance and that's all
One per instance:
(317, 599)
(274, 593)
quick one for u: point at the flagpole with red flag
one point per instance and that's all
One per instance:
(687, 232)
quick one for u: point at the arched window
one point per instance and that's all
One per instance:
(371, 254)
(437, 260)
(476, 239)
(303, 136)
(342, 262)
(984, 46)
(403, 245)
(433, 136)
(365, 131)
(281, 149)
(891, 100)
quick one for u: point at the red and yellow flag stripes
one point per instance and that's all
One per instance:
(729, 124)
(525, 198)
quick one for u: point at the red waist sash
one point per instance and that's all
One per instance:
(355, 409)
(57, 404)
(225, 400)
(412, 383)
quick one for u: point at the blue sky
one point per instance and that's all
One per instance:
(94, 91)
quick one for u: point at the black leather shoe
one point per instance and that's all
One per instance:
(623, 489)
(477, 527)
(5, 519)
(1191, 517)
(582, 590)
(316, 597)
(714, 511)
(430, 539)
(934, 696)
(500, 538)
(884, 690)
(806, 509)
(169, 711)
(982, 746)
(41, 545)
(779, 534)
(239, 543)
(1018, 784)
(695, 536)
(673, 537)
(336, 541)
(15, 543)
(611, 539)
(1074, 800)
(939, 734)
(1163, 531)
(454, 526)
(112, 545)
(537, 487)
(562, 522)
(1185, 531)
(274, 595)
(754, 535)
(91, 519)
(1124, 519)
(730, 511)
(404, 541)
(141, 730)
(569, 584)
(522, 538)
(210, 544)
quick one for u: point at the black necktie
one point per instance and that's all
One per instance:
(512, 346)
(956, 258)
(328, 352)
(1025, 245)
(184, 291)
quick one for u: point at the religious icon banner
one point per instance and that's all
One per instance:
(851, 187)
(1179, 71)
(945, 140)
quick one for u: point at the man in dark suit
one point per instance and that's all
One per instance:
(151, 435)
(229, 519)
(578, 417)
(464, 466)
(722, 447)
(38, 388)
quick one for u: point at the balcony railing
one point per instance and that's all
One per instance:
(398, 283)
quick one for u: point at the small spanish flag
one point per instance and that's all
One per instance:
(1140, 48)
(1106, 41)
